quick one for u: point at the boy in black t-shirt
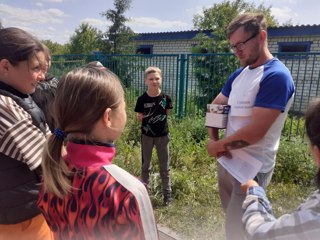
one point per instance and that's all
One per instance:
(152, 109)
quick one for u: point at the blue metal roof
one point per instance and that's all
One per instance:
(302, 30)
(180, 35)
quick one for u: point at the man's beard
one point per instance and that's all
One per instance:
(249, 61)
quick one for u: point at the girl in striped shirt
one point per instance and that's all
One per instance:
(22, 133)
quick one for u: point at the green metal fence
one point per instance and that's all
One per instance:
(193, 80)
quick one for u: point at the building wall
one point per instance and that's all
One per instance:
(170, 66)
(315, 46)
(305, 71)
(169, 46)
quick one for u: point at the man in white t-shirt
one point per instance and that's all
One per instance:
(260, 94)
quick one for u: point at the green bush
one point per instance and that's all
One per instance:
(294, 126)
(196, 211)
(294, 163)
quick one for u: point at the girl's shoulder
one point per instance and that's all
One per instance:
(10, 106)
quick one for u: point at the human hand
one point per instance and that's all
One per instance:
(215, 150)
(140, 116)
(250, 183)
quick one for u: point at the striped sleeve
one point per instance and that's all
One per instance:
(260, 223)
(19, 138)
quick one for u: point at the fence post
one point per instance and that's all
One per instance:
(183, 61)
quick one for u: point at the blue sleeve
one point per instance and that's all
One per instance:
(227, 87)
(276, 87)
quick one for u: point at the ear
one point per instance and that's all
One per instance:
(106, 117)
(4, 66)
(263, 35)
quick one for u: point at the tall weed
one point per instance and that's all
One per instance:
(294, 163)
(196, 211)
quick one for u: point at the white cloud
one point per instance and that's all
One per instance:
(154, 23)
(52, 29)
(197, 10)
(51, 34)
(283, 14)
(66, 36)
(41, 2)
(12, 16)
(53, 1)
(37, 22)
(55, 12)
(277, 2)
(98, 23)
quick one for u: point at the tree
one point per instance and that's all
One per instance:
(218, 66)
(55, 47)
(218, 17)
(1, 26)
(118, 37)
(85, 40)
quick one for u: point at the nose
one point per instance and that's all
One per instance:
(237, 52)
(41, 76)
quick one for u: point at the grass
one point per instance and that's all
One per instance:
(195, 212)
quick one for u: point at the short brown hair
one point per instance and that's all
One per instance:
(312, 117)
(152, 70)
(252, 22)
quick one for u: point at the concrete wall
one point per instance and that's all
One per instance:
(305, 71)
(170, 46)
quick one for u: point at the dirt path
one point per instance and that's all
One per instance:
(167, 234)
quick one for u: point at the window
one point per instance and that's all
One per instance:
(294, 47)
(145, 49)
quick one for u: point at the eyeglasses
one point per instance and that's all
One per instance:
(242, 45)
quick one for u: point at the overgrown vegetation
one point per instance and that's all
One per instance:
(196, 212)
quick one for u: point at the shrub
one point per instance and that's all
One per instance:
(294, 163)
(196, 211)
(294, 126)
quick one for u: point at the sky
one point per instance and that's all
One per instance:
(57, 20)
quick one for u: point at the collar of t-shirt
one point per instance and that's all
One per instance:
(89, 154)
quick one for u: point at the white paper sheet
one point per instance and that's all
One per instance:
(241, 166)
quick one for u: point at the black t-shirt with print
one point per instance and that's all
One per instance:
(154, 123)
